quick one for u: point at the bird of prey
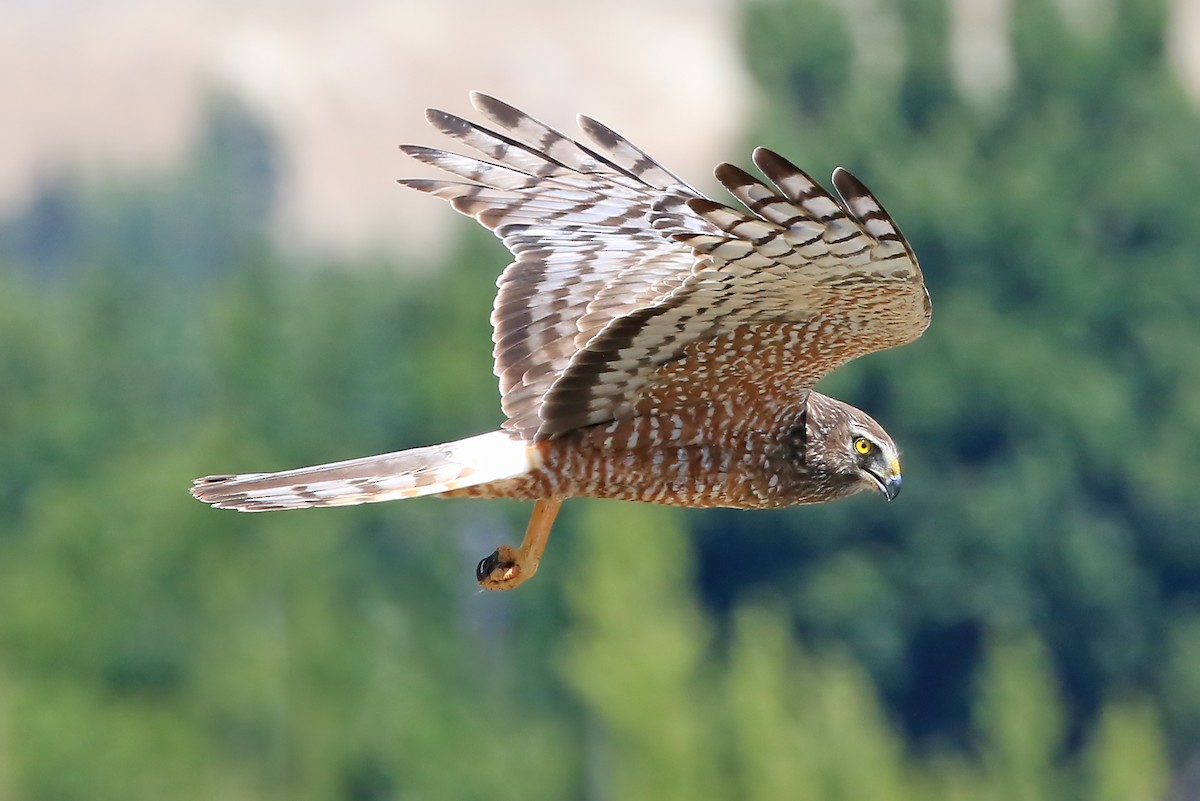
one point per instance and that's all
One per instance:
(651, 344)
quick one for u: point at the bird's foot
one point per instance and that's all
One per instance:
(503, 569)
(509, 567)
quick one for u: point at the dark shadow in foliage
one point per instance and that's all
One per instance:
(1047, 416)
(188, 228)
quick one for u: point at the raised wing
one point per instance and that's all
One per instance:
(620, 266)
(577, 224)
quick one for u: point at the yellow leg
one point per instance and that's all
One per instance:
(507, 567)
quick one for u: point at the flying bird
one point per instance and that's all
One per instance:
(651, 344)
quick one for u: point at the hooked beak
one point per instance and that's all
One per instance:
(889, 486)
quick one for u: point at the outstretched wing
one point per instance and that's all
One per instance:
(577, 224)
(620, 266)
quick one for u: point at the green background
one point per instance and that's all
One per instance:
(1024, 623)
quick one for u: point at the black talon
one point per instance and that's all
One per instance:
(486, 565)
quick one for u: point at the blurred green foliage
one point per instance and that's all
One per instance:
(1050, 414)
(1023, 624)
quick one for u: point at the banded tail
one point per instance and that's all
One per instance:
(404, 474)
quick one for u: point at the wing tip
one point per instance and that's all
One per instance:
(846, 182)
(504, 114)
(733, 177)
(422, 153)
(766, 159)
(444, 122)
(435, 186)
(598, 132)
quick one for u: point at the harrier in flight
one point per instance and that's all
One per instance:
(651, 344)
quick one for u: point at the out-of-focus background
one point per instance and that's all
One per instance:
(205, 266)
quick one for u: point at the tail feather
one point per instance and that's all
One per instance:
(404, 474)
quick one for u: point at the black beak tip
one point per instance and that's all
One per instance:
(891, 488)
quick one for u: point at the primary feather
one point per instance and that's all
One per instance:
(619, 265)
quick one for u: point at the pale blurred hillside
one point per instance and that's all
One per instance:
(118, 86)
(93, 89)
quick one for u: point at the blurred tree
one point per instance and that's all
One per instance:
(678, 711)
(188, 227)
(635, 659)
(150, 647)
(1047, 415)
(804, 722)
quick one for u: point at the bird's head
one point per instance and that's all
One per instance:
(850, 448)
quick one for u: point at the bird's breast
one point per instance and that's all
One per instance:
(609, 462)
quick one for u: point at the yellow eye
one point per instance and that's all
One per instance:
(863, 445)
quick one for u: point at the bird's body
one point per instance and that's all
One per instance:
(672, 460)
(651, 344)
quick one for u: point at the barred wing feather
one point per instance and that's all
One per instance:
(619, 266)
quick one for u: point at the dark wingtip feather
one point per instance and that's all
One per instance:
(598, 132)
(866, 208)
(481, 100)
(732, 176)
(447, 123)
(421, 184)
(846, 182)
(773, 164)
(497, 110)
(421, 153)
